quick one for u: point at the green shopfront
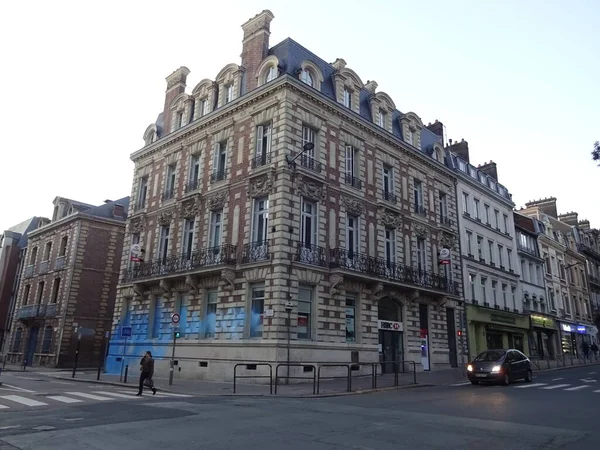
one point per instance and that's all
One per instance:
(490, 328)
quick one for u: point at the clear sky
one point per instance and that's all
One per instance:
(80, 81)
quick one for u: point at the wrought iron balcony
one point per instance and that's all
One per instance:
(206, 257)
(311, 254)
(28, 272)
(308, 162)
(389, 196)
(49, 310)
(382, 268)
(218, 175)
(44, 267)
(168, 194)
(527, 250)
(60, 263)
(36, 311)
(261, 160)
(353, 181)
(594, 280)
(446, 221)
(191, 186)
(420, 209)
(256, 251)
(590, 251)
(140, 204)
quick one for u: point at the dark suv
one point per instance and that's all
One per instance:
(502, 366)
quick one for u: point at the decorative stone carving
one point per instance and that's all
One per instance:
(137, 224)
(421, 231)
(353, 206)
(447, 241)
(335, 280)
(190, 208)
(311, 190)
(191, 284)
(165, 288)
(260, 186)
(217, 200)
(229, 277)
(378, 292)
(138, 290)
(390, 220)
(413, 297)
(165, 218)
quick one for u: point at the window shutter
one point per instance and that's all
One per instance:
(260, 131)
(269, 131)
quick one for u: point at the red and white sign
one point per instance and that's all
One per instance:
(136, 253)
(390, 325)
(444, 256)
(175, 318)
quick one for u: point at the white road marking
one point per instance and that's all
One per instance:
(592, 373)
(60, 398)
(597, 391)
(75, 419)
(10, 427)
(556, 386)
(44, 428)
(461, 384)
(557, 379)
(525, 386)
(23, 400)
(90, 396)
(577, 388)
(115, 394)
(161, 394)
(19, 389)
(4, 407)
(63, 382)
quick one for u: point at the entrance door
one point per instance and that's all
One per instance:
(31, 345)
(390, 350)
(451, 327)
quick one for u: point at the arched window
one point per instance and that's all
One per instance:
(271, 74)
(306, 77)
(17, 342)
(47, 341)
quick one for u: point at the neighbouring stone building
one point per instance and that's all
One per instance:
(225, 229)
(13, 249)
(544, 335)
(491, 274)
(68, 285)
(565, 274)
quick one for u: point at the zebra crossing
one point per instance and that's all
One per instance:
(31, 400)
(567, 387)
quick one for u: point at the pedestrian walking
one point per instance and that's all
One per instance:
(595, 351)
(586, 350)
(147, 372)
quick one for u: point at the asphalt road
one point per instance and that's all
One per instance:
(545, 414)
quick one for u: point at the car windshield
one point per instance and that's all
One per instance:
(490, 355)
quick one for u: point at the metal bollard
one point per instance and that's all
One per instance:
(99, 370)
(126, 370)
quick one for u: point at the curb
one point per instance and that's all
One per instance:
(553, 369)
(230, 394)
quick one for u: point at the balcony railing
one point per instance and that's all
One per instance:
(308, 162)
(527, 250)
(218, 175)
(44, 267)
(590, 251)
(420, 209)
(389, 196)
(311, 254)
(168, 194)
(191, 186)
(60, 263)
(380, 267)
(446, 221)
(207, 257)
(256, 251)
(28, 272)
(594, 279)
(37, 311)
(49, 310)
(261, 160)
(140, 204)
(353, 181)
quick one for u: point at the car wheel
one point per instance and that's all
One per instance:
(474, 381)
(528, 376)
(506, 379)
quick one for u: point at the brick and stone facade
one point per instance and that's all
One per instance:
(68, 285)
(230, 231)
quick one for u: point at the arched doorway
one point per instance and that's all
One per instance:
(391, 328)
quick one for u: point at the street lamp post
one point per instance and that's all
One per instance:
(306, 148)
(288, 309)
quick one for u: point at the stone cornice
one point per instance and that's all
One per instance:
(72, 218)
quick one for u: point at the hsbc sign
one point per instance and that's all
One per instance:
(390, 326)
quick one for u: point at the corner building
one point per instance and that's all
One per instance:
(349, 232)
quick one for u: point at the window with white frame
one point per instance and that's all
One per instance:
(309, 226)
(443, 207)
(219, 162)
(381, 118)
(179, 119)
(497, 218)
(500, 255)
(418, 197)
(305, 300)
(505, 217)
(352, 235)
(486, 213)
(212, 299)
(388, 183)
(263, 145)
(421, 255)
(504, 299)
(469, 243)
(306, 77)
(491, 250)
(465, 201)
(271, 74)
(257, 310)
(476, 208)
(351, 165)
(194, 175)
(480, 247)
(513, 293)
(347, 98)
(509, 259)
(170, 182)
(229, 93)
(163, 243)
(260, 220)
(216, 228)
(188, 239)
(350, 317)
(308, 136)
(142, 193)
(390, 247)
(203, 107)
(484, 289)
(472, 282)
(494, 293)
(47, 251)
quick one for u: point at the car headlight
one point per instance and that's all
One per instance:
(469, 368)
(496, 369)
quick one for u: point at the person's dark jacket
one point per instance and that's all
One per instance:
(147, 365)
(594, 348)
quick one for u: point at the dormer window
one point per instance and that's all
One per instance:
(382, 118)
(347, 98)
(229, 93)
(306, 77)
(271, 74)
(179, 119)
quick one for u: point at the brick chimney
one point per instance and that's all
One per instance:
(436, 128)
(570, 218)
(255, 46)
(176, 83)
(545, 205)
(584, 225)
(489, 169)
(460, 148)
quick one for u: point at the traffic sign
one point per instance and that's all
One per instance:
(125, 332)
(175, 318)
